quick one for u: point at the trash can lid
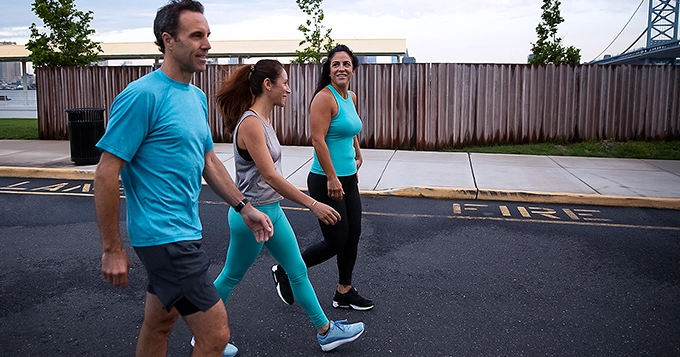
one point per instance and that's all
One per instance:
(78, 110)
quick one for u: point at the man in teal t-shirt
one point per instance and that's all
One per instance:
(159, 127)
(158, 141)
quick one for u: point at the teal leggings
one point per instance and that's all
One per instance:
(243, 250)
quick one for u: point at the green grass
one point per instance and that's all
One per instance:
(662, 150)
(27, 129)
(19, 129)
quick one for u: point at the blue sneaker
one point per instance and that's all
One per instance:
(339, 334)
(229, 351)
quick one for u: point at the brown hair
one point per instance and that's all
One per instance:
(239, 91)
(167, 19)
(325, 78)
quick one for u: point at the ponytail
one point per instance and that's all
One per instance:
(234, 97)
(239, 91)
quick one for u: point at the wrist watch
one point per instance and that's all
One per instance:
(240, 205)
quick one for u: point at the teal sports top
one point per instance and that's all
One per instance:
(340, 137)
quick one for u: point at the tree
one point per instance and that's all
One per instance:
(66, 43)
(317, 44)
(549, 48)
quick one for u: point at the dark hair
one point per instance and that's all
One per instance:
(167, 19)
(239, 91)
(325, 78)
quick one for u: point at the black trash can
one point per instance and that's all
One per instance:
(86, 127)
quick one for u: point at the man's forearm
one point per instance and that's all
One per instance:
(107, 206)
(219, 180)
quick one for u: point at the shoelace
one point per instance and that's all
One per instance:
(338, 324)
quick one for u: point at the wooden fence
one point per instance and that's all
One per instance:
(428, 106)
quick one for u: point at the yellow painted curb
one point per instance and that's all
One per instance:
(428, 192)
(531, 197)
(575, 198)
(46, 173)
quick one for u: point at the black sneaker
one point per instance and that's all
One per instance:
(282, 285)
(351, 300)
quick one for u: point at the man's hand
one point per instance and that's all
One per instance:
(116, 267)
(258, 222)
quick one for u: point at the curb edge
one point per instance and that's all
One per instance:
(414, 191)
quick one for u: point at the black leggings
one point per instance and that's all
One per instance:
(341, 239)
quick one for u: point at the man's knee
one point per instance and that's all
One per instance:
(215, 341)
(210, 328)
(221, 333)
(224, 336)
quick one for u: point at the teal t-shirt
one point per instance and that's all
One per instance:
(343, 128)
(159, 126)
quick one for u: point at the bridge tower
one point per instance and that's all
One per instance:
(662, 25)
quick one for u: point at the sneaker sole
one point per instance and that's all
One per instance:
(338, 343)
(337, 305)
(278, 287)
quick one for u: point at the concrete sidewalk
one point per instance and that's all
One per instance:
(520, 178)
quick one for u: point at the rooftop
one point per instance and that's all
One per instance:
(224, 49)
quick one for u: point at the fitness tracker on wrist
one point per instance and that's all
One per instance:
(240, 205)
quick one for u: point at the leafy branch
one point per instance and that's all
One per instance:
(549, 48)
(317, 37)
(66, 43)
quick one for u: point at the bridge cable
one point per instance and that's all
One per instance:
(636, 40)
(624, 27)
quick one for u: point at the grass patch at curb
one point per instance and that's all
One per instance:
(660, 150)
(19, 129)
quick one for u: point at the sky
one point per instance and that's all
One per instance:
(446, 31)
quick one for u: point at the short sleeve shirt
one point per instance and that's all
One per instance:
(159, 126)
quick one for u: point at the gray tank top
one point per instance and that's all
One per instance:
(248, 177)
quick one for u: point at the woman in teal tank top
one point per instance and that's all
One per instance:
(333, 178)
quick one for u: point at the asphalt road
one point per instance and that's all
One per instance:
(449, 278)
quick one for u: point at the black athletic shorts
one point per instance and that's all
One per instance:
(178, 275)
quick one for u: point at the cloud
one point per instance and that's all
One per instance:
(142, 34)
(485, 35)
(15, 34)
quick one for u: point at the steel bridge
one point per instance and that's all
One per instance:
(663, 43)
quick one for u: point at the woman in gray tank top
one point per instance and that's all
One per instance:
(246, 100)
